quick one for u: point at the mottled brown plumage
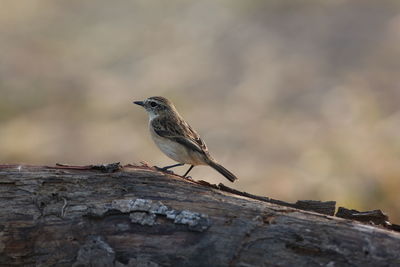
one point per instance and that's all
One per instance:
(177, 129)
(176, 138)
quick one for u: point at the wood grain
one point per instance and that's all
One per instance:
(140, 217)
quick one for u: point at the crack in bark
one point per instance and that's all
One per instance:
(256, 222)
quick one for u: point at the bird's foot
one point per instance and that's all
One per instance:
(163, 169)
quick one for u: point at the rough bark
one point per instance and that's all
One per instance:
(141, 217)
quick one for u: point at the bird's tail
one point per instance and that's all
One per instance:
(219, 168)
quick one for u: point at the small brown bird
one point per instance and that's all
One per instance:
(176, 138)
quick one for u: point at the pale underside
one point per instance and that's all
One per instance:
(177, 151)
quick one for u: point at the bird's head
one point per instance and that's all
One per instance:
(156, 106)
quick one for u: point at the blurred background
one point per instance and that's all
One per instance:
(299, 98)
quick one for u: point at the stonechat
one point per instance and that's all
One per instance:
(176, 138)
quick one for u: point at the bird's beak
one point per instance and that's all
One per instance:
(140, 103)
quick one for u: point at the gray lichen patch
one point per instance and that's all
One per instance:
(196, 221)
(128, 205)
(139, 204)
(159, 208)
(145, 212)
(143, 218)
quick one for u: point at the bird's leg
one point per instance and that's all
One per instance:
(172, 166)
(169, 167)
(187, 172)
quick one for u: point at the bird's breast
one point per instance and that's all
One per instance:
(176, 151)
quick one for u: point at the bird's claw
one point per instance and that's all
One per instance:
(163, 170)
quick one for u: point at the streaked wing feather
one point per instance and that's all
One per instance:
(175, 129)
(195, 137)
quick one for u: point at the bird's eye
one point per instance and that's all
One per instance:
(153, 104)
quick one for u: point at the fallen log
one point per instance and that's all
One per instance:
(108, 215)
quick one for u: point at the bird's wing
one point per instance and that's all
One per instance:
(178, 130)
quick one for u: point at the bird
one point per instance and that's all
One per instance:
(176, 139)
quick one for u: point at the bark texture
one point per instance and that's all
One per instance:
(141, 217)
